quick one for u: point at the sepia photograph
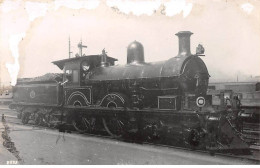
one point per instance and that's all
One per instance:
(129, 82)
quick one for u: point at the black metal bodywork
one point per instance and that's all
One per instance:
(139, 82)
(157, 99)
(147, 81)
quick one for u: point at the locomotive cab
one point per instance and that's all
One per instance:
(71, 76)
(76, 72)
(78, 69)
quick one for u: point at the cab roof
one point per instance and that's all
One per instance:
(61, 63)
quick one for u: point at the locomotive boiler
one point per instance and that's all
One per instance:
(161, 101)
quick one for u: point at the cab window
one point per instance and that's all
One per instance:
(68, 75)
(72, 76)
(85, 68)
(75, 76)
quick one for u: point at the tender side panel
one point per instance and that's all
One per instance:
(48, 94)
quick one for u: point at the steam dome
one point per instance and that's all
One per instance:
(135, 53)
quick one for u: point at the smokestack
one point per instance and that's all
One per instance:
(184, 43)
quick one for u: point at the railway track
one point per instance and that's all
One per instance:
(251, 133)
(102, 134)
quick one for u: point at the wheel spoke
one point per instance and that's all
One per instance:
(86, 123)
(114, 127)
(82, 124)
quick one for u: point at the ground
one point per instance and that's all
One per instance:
(46, 146)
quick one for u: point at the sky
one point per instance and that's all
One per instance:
(35, 33)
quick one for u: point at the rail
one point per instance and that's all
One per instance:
(103, 135)
(6, 101)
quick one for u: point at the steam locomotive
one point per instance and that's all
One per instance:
(160, 101)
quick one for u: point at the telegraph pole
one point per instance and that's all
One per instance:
(69, 48)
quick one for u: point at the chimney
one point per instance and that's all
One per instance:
(184, 43)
